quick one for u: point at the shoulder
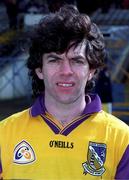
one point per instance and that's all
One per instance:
(15, 118)
(13, 125)
(111, 122)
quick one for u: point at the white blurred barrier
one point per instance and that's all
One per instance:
(14, 81)
(31, 19)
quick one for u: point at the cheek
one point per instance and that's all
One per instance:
(84, 74)
(83, 78)
(48, 76)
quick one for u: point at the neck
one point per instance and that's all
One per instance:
(65, 113)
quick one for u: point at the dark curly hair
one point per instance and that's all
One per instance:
(54, 34)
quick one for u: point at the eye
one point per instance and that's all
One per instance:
(53, 60)
(78, 61)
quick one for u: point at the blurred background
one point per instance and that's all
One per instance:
(17, 21)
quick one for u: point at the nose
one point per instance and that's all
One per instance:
(65, 68)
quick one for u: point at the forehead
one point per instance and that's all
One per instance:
(73, 51)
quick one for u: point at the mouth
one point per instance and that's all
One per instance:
(65, 84)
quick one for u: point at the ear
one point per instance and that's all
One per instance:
(91, 74)
(39, 73)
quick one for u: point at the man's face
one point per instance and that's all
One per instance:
(65, 75)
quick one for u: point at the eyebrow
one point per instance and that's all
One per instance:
(78, 57)
(53, 56)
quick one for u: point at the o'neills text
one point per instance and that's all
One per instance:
(61, 144)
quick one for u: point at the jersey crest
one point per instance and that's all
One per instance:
(95, 159)
(23, 153)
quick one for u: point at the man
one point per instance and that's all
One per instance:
(12, 12)
(65, 134)
(104, 89)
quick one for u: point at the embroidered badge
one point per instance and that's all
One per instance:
(95, 159)
(23, 153)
